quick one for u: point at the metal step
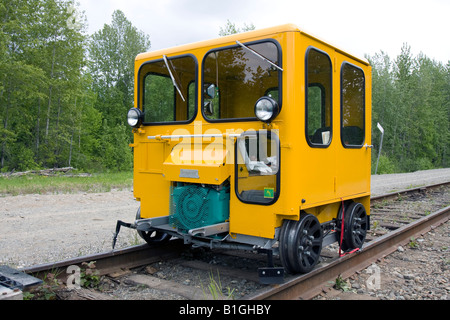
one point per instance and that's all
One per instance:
(13, 282)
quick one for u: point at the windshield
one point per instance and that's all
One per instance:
(168, 90)
(234, 78)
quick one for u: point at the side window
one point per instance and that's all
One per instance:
(352, 106)
(318, 99)
(257, 167)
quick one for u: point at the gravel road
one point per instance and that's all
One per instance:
(385, 183)
(37, 229)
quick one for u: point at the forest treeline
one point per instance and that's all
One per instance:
(411, 101)
(64, 94)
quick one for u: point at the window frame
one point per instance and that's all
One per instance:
(352, 146)
(323, 107)
(278, 174)
(140, 89)
(279, 62)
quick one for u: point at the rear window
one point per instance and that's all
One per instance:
(352, 106)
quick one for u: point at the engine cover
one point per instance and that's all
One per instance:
(195, 206)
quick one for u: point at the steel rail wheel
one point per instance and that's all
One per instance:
(152, 236)
(300, 244)
(355, 226)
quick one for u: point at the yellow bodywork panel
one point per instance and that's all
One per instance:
(204, 163)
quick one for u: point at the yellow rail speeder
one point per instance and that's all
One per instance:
(256, 140)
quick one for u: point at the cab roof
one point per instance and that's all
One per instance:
(244, 36)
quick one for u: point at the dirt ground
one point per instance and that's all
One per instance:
(36, 229)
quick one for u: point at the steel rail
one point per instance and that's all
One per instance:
(117, 259)
(311, 284)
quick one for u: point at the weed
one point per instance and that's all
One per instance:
(135, 239)
(89, 277)
(28, 295)
(47, 290)
(341, 284)
(216, 290)
(413, 243)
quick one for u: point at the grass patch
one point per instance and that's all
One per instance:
(35, 184)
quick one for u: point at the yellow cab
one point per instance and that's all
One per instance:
(255, 141)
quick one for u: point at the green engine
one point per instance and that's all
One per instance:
(195, 206)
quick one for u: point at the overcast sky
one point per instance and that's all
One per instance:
(358, 26)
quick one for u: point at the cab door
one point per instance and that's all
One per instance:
(354, 154)
(319, 156)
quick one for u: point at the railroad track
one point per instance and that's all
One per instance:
(185, 273)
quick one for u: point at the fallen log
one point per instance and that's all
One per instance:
(43, 172)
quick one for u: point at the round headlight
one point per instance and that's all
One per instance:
(134, 117)
(266, 109)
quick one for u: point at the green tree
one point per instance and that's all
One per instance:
(20, 80)
(112, 51)
(410, 98)
(42, 82)
(383, 104)
(230, 28)
(61, 54)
